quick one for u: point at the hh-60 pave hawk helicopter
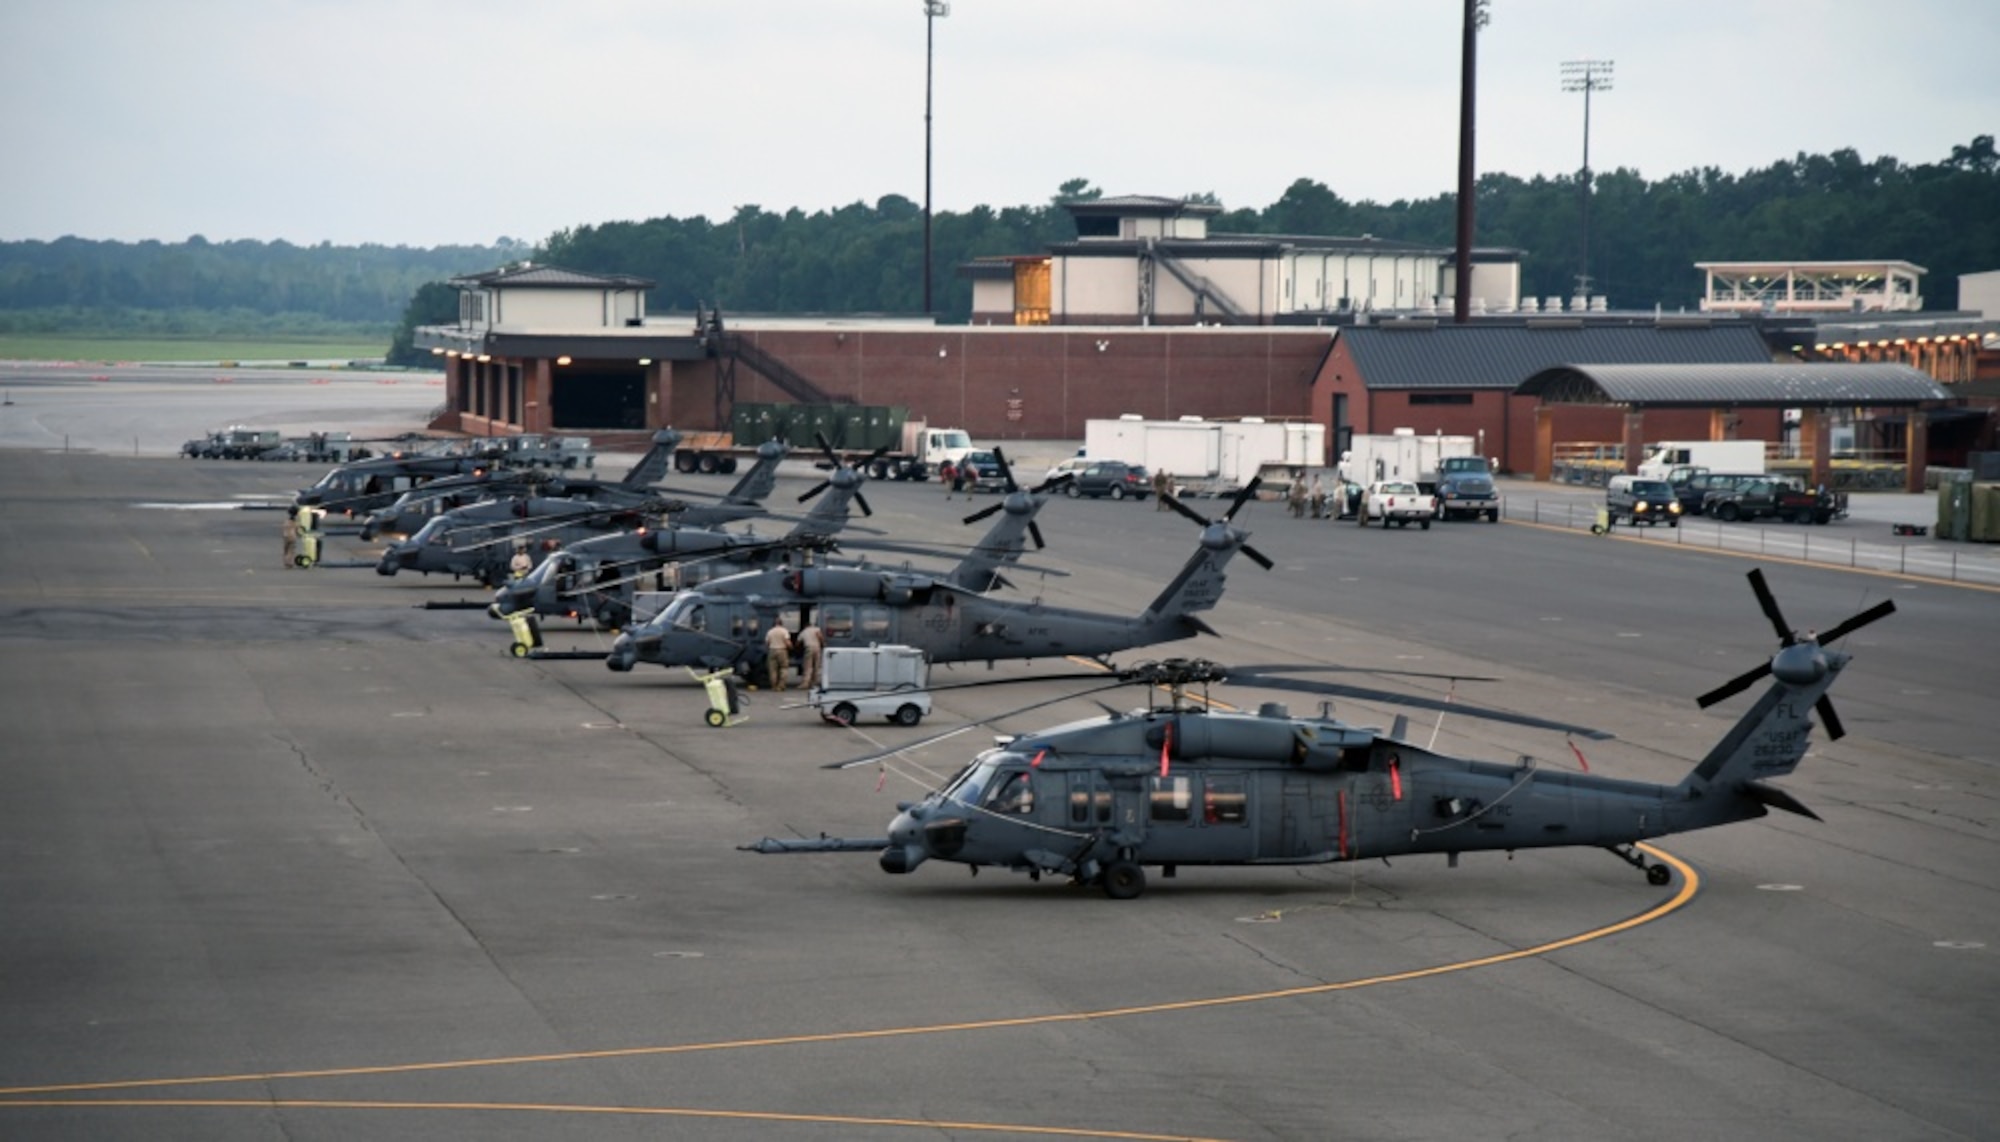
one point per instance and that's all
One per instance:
(366, 485)
(598, 579)
(1180, 785)
(721, 625)
(475, 539)
(420, 505)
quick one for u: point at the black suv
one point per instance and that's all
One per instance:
(1642, 501)
(1113, 478)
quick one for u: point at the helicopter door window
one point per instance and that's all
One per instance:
(1224, 802)
(1173, 799)
(874, 626)
(837, 621)
(1014, 795)
(1089, 800)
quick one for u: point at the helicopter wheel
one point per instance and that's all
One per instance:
(518, 650)
(1123, 880)
(1658, 874)
(715, 718)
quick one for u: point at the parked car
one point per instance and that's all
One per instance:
(1638, 501)
(1071, 467)
(1399, 502)
(982, 472)
(1113, 478)
(1771, 498)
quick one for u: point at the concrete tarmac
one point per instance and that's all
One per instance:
(284, 856)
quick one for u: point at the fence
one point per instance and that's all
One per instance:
(1922, 557)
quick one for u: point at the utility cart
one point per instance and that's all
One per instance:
(874, 681)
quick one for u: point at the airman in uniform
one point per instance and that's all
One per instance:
(777, 653)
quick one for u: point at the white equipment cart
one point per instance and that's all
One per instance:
(878, 681)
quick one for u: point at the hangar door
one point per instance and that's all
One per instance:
(595, 396)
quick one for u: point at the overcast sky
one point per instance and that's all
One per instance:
(429, 122)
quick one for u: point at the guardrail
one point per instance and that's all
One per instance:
(1833, 545)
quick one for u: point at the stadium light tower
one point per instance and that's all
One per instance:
(932, 10)
(1585, 75)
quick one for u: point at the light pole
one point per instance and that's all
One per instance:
(1585, 75)
(1475, 19)
(932, 10)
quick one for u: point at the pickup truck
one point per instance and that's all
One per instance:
(1785, 500)
(1398, 502)
(1694, 485)
(1465, 489)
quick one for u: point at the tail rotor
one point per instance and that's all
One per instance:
(1799, 660)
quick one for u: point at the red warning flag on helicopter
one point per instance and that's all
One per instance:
(1395, 777)
(1166, 743)
(1039, 755)
(1579, 754)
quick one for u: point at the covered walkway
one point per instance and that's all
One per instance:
(1814, 389)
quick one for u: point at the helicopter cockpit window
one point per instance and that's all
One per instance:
(1173, 799)
(1015, 794)
(837, 621)
(972, 780)
(684, 612)
(1224, 802)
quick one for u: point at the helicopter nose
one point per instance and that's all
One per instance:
(906, 845)
(623, 654)
(368, 530)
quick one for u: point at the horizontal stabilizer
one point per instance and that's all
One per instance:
(1776, 798)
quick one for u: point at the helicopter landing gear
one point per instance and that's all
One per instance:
(1123, 879)
(1656, 874)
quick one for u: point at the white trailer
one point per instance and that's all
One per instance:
(1401, 455)
(1214, 456)
(1744, 457)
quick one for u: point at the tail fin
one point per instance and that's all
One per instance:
(830, 514)
(1199, 585)
(1772, 737)
(652, 467)
(761, 478)
(1002, 545)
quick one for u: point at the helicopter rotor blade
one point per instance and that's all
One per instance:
(1733, 687)
(1243, 497)
(1769, 603)
(1391, 697)
(815, 490)
(1257, 557)
(933, 739)
(1829, 720)
(982, 513)
(862, 501)
(1035, 533)
(1838, 631)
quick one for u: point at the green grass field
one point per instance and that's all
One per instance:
(62, 347)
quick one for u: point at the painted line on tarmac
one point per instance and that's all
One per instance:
(23, 1096)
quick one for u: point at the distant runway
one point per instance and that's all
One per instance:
(284, 856)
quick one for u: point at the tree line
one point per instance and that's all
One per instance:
(1644, 238)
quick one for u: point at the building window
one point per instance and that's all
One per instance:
(1440, 398)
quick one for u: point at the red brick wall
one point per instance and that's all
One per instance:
(1006, 383)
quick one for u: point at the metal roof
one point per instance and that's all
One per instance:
(550, 277)
(1784, 384)
(1440, 356)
